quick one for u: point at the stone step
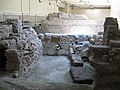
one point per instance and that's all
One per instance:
(82, 75)
(76, 60)
(105, 67)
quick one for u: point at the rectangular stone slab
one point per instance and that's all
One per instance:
(82, 75)
(76, 60)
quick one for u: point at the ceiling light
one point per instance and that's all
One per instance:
(49, 3)
(40, 1)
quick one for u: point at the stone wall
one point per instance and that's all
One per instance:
(70, 24)
(55, 44)
(22, 48)
(106, 58)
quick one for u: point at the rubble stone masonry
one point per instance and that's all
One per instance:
(106, 58)
(21, 48)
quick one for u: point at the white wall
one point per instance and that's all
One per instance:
(35, 7)
(93, 14)
(42, 9)
(10, 5)
(115, 8)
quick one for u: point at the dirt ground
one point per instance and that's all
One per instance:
(51, 73)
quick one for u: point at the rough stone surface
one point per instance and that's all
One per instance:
(66, 16)
(114, 43)
(99, 51)
(111, 31)
(110, 21)
(82, 75)
(16, 27)
(13, 60)
(5, 30)
(76, 60)
(21, 48)
(56, 44)
(106, 59)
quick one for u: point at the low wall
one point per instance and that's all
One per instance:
(62, 26)
(22, 49)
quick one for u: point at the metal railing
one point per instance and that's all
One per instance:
(32, 18)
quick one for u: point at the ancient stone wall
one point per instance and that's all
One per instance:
(22, 48)
(106, 58)
(111, 31)
(70, 24)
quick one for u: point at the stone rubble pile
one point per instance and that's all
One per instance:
(55, 44)
(106, 58)
(80, 71)
(62, 15)
(62, 44)
(21, 47)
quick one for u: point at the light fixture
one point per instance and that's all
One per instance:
(91, 6)
(49, 3)
(40, 1)
(56, 1)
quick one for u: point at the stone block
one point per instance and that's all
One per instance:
(82, 75)
(107, 87)
(102, 79)
(109, 34)
(55, 39)
(105, 67)
(98, 51)
(110, 21)
(76, 60)
(114, 43)
(13, 60)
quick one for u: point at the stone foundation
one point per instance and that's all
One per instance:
(21, 48)
(106, 59)
(61, 23)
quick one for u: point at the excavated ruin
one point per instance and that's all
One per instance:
(20, 48)
(62, 23)
(106, 58)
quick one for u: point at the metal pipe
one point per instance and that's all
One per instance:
(4, 17)
(22, 19)
(35, 19)
(29, 7)
(21, 6)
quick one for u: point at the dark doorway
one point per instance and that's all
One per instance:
(2, 60)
